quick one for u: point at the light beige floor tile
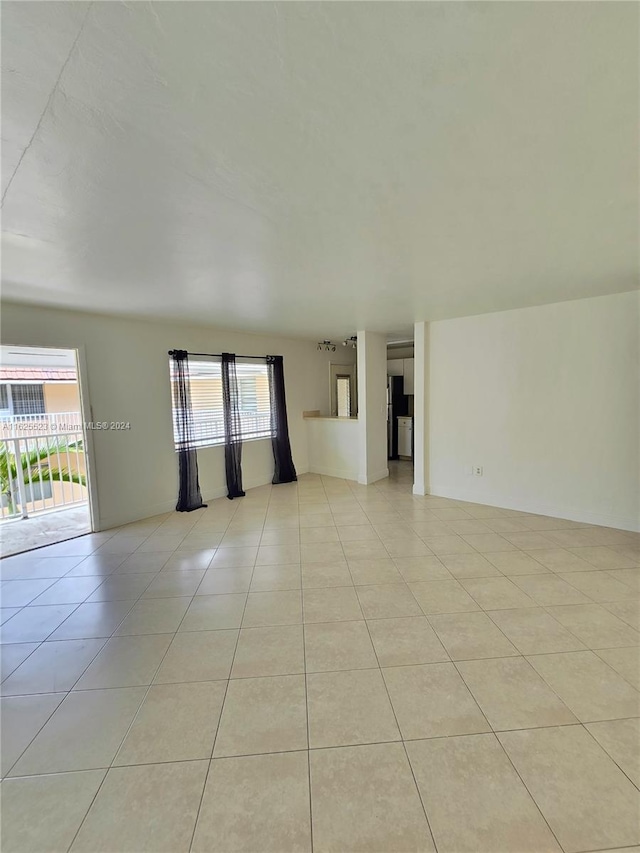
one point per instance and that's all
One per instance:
(97, 565)
(321, 552)
(273, 608)
(626, 663)
(586, 799)
(357, 532)
(154, 616)
(448, 544)
(244, 538)
(26, 567)
(137, 563)
(224, 581)
(365, 801)
(281, 536)
(126, 662)
(588, 686)
(337, 604)
(189, 561)
(409, 547)
(229, 558)
(432, 529)
(198, 656)
(496, 593)
(174, 584)
(442, 597)
(263, 715)
(488, 543)
(407, 640)
(122, 587)
(604, 558)
(7, 613)
(271, 578)
(278, 555)
(533, 631)
(367, 550)
(516, 563)
(549, 590)
(44, 812)
(338, 645)
(374, 571)
(84, 733)
(322, 575)
(349, 708)
(313, 535)
(468, 636)
(599, 586)
(156, 805)
(93, 619)
(560, 560)
(22, 719)
(68, 591)
(213, 612)
(12, 655)
(628, 611)
(52, 668)
(474, 799)
(529, 541)
(432, 701)
(621, 740)
(19, 593)
(595, 626)
(512, 695)
(269, 651)
(383, 601)
(428, 568)
(34, 624)
(630, 577)
(176, 722)
(469, 566)
(256, 803)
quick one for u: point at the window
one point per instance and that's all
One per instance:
(205, 383)
(27, 399)
(4, 398)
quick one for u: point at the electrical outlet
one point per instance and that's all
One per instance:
(478, 471)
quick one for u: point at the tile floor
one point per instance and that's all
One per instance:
(23, 534)
(324, 666)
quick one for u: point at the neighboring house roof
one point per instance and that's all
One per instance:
(37, 374)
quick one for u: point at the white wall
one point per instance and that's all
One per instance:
(334, 447)
(127, 372)
(546, 399)
(372, 406)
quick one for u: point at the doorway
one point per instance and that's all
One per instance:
(44, 470)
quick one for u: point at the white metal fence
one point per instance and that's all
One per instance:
(41, 471)
(24, 426)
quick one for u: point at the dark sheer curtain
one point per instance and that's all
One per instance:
(189, 497)
(284, 469)
(232, 427)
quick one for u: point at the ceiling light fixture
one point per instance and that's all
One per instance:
(351, 342)
(326, 345)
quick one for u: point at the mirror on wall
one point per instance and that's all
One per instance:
(344, 395)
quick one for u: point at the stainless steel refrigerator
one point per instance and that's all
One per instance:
(397, 406)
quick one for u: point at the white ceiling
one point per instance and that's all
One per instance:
(317, 168)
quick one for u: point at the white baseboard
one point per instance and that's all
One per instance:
(373, 478)
(340, 473)
(167, 506)
(536, 508)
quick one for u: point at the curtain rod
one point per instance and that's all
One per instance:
(217, 354)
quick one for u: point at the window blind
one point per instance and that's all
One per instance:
(205, 383)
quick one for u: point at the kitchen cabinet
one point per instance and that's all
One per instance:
(395, 367)
(405, 429)
(407, 372)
